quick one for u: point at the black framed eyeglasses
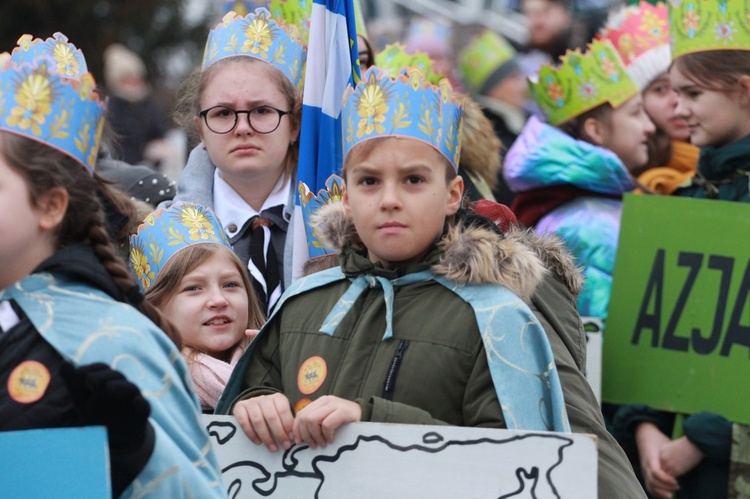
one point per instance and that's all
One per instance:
(262, 119)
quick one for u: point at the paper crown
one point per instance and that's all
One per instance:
(640, 33)
(393, 59)
(310, 203)
(403, 106)
(429, 35)
(47, 94)
(704, 25)
(165, 232)
(258, 35)
(292, 12)
(484, 55)
(582, 82)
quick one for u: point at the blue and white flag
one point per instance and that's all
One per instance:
(332, 65)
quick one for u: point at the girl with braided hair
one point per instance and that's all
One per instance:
(78, 344)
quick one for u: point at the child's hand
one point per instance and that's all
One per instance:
(658, 481)
(251, 333)
(680, 456)
(317, 422)
(266, 419)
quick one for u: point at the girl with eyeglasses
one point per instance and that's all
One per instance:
(245, 104)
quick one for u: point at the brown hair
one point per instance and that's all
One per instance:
(166, 284)
(717, 70)
(189, 96)
(43, 169)
(480, 147)
(320, 263)
(363, 149)
(574, 126)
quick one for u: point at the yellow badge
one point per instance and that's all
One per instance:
(301, 404)
(28, 382)
(311, 375)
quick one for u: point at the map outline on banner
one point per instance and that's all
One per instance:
(379, 447)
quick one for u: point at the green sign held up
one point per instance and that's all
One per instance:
(678, 331)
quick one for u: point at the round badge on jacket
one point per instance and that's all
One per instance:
(28, 382)
(312, 374)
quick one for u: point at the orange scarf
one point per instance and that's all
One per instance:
(681, 168)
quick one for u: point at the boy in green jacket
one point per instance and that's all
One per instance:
(426, 320)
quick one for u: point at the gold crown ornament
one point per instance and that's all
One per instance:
(260, 36)
(167, 231)
(404, 105)
(48, 95)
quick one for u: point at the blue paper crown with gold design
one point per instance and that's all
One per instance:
(704, 25)
(407, 106)
(165, 232)
(296, 12)
(582, 82)
(310, 203)
(48, 95)
(260, 36)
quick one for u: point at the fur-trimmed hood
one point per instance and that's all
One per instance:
(474, 253)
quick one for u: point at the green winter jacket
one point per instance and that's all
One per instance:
(442, 375)
(434, 370)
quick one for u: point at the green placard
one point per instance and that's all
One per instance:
(678, 331)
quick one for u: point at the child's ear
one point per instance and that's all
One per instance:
(345, 198)
(197, 123)
(295, 135)
(455, 195)
(52, 206)
(594, 130)
(744, 85)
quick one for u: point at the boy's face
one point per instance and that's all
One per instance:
(399, 199)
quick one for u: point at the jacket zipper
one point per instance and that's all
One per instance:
(390, 379)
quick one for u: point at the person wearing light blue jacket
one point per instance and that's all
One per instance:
(79, 346)
(570, 173)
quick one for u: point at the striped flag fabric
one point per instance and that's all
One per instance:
(332, 65)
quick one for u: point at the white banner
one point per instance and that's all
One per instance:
(406, 461)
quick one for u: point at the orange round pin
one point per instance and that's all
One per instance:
(311, 375)
(301, 404)
(28, 382)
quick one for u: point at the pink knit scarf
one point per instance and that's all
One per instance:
(210, 375)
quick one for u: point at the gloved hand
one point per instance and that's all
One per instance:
(104, 396)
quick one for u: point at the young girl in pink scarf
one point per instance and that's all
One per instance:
(187, 269)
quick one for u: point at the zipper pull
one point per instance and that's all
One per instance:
(390, 379)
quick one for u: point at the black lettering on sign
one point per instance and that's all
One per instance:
(672, 342)
(654, 287)
(705, 346)
(650, 313)
(736, 332)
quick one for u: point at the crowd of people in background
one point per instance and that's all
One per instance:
(478, 174)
